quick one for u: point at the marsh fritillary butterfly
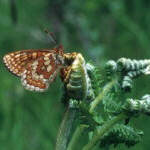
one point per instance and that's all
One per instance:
(36, 68)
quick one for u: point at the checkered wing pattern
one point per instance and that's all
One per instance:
(37, 68)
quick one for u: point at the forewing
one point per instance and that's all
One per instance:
(16, 62)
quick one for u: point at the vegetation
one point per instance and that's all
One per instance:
(100, 31)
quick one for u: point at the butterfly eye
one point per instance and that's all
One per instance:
(60, 59)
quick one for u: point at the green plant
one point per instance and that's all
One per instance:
(98, 106)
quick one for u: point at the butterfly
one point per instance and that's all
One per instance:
(36, 68)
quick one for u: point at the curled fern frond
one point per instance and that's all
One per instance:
(95, 76)
(112, 65)
(126, 70)
(127, 81)
(77, 82)
(111, 68)
(132, 65)
(131, 69)
(121, 134)
(136, 106)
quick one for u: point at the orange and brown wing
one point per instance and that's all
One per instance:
(16, 62)
(37, 68)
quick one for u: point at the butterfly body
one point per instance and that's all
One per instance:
(37, 68)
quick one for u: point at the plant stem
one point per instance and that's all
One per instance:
(76, 136)
(65, 129)
(96, 138)
(99, 98)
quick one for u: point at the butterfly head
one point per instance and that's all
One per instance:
(59, 53)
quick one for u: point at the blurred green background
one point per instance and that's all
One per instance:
(100, 29)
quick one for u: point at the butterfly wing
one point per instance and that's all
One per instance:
(37, 68)
(16, 62)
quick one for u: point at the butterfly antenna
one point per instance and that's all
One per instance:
(51, 36)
